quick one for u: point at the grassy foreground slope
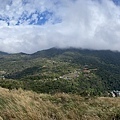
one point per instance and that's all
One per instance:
(28, 105)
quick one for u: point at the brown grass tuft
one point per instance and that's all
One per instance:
(28, 105)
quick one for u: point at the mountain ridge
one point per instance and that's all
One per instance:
(61, 49)
(85, 70)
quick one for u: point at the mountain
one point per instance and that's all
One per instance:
(69, 70)
(3, 53)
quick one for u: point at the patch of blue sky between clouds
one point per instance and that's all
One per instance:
(28, 12)
(117, 2)
(35, 18)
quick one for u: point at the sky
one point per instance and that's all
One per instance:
(32, 25)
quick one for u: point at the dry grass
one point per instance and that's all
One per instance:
(27, 105)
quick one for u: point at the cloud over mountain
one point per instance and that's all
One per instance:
(31, 25)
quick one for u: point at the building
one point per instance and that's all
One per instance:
(115, 93)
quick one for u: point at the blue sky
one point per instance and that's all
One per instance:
(29, 12)
(36, 16)
(117, 2)
(32, 25)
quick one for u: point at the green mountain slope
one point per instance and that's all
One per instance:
(71, 70)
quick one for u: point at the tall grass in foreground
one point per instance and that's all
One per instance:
(28, 105)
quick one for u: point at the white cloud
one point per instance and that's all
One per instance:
(84, 23)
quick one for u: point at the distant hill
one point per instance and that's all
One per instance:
(3, 53)
(82, 70)
(52, 52)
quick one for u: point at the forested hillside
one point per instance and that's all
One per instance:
(80, 71)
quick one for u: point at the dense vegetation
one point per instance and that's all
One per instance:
(84, 72)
